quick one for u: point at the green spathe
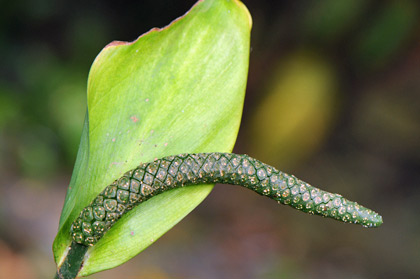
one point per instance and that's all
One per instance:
(175, 90)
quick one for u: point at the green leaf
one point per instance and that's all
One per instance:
(173, 90)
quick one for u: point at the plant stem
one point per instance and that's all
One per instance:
(73, 262)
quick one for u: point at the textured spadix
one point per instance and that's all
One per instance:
(151, 179)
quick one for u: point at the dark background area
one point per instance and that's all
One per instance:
(333, 97)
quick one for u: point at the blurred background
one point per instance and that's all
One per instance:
(333, 97)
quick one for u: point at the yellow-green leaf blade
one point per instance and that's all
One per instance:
(174, 90)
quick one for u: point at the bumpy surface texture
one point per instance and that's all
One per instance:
(150, 179)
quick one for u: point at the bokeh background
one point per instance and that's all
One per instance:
(333, 97)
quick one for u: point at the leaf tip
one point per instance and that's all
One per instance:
(246, 12)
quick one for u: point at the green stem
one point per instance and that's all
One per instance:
(73, 262)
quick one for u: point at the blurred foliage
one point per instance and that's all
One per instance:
(293, 118)
(388, 30)
(361, 56)
(329, 20)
